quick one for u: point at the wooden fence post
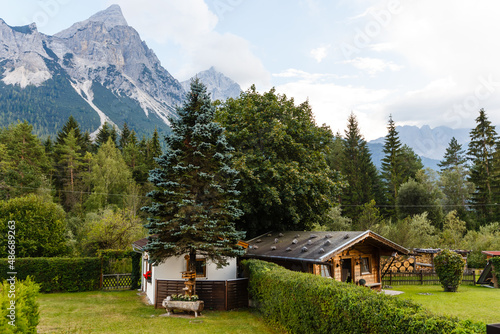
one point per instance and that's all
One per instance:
(421, 277)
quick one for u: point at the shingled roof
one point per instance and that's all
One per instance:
(315, 246)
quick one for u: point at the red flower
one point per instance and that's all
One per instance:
(147, 275)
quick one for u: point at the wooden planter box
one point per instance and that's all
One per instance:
(195, 307)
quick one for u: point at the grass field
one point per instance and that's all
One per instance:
(122, 312)
(470, 302)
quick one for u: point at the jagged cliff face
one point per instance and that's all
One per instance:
(98, 70)
(22, 55)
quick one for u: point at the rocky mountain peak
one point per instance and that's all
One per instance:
(218, 85)
(110, 18)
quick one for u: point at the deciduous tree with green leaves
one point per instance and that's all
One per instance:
(281, 156)
(194, 202)
(40, 227)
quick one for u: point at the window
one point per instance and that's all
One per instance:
(201, 266)
(365, 266)
(325, 271)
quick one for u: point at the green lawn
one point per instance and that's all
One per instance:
(470, 302)
(124, 312)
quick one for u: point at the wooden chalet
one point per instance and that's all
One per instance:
(343, 256)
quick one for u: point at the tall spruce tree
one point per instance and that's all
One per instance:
(193, 205)
(454, 156)
(125, 136)
(359, 171)
(392, 167)
(481, 154)
(103, 135)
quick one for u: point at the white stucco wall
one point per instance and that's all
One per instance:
(173, 267)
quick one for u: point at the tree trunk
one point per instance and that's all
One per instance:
(192, 268)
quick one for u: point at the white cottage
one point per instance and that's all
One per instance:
(212, 283)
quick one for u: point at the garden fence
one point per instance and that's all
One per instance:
(116, 281)
(422, 278)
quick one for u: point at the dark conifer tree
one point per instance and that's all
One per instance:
(454, 156)
(481, 151)
(193, 205)
(124, 138)
(103, 135)
(71, 124)
(358, 170)
(392, 168)
(113, 134)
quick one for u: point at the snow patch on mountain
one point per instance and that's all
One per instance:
(23, 77)
(84, 89)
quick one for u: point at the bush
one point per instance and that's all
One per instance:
(305, 303)
(40, 228)
(58, 274)
(495, 261)
(23, 316)
(449, 268)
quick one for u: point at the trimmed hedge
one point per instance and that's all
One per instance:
(22, 316)
(305, 303)
(58, 274)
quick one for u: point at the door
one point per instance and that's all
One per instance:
(347, 271)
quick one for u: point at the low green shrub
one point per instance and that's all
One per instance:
(449, 268)
(305, 303)
(19, 307)
(57, 274)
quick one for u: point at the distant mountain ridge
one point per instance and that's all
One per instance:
(429, 143)
(98, 70)
(218, 85)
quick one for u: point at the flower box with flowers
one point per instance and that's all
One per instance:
(183, 303)
(147, 276)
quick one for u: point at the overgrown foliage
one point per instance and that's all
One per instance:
(25, 316)
(280, 154)
(449, 268)
(57, 274)
(305, 303)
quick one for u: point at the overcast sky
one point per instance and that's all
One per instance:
(424, 62)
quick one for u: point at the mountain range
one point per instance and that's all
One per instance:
(98, 70)
(429, 143)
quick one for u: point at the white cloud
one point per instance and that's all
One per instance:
(320, 53)
(310, 77)
(373, 65)
(332, 103)
(191, 25)
(453, 45)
